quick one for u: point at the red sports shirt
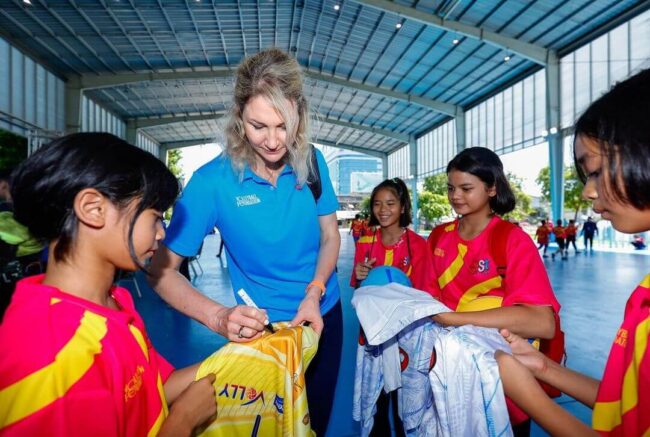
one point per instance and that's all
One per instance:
(468, 278)
(410, 254)
(542, 234)
(623, 402)
(72, 367)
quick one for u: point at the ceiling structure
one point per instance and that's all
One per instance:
(377, 72)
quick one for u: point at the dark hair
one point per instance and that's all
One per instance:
(398, 188)
(618, 121)
(46, 184)
(486, 165)
(5, 175)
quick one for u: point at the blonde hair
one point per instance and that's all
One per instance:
(276, 76)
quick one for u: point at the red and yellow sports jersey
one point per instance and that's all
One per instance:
(410, 254)
(559, 231)
(72, 367)
(623, 402)
(357, 227)
(570, 230)
(260, 385)
(468, 277)
(542, 234)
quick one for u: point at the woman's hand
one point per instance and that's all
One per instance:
(309, 310)
(193, 407)
(240, 323)
(525, 353)
(361, 269)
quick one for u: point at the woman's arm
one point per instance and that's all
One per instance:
(176, 290)
(528, 321)
(330, 242)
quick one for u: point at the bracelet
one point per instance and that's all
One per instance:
(320, 285)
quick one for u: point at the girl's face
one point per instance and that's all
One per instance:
(387, 208)
(624, 217)
(468, 194)
(148, 230)
(265, 130)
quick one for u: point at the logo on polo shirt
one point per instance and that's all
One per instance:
(248, 200)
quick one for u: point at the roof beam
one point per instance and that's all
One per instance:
(91, 81)
(187, 143)
(438, 106)
(146, 122)
(373, 130)
(374, 153)
(532, 52)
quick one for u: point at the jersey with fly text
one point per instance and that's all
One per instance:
(78, 368)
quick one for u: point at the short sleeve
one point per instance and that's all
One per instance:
(164, 367)
(195, 215)
(327, 203)
(423, 276)
(526, 278)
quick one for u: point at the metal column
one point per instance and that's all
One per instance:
(555, 143)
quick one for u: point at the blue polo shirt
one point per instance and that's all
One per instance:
(271, 233)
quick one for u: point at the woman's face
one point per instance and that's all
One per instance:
(265, 130)
(624, 217)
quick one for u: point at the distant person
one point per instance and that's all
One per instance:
(76, 358)
(560, 239)
(570, 231)
(638, 242)
(589, 229)
(612, 155)
(356, 227)
(542, 234)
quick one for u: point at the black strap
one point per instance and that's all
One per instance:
(313, 179)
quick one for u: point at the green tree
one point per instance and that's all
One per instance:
(13, 150)
(522, 209)
(573, 200)
(174, 157)
(433, 206)
(436, 184)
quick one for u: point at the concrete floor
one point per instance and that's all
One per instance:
(592, 288)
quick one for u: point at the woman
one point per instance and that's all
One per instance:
(282, 244)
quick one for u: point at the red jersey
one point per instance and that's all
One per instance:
(559, 232)
(570, 230)
(622, 405)
(357, 227)
(467, 275)
(542, 234)
(410, 254)
(78, 368)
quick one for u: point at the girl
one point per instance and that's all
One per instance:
(612, 155)
(80, 360)
(516, 295)
(542, 234)
(392, 243)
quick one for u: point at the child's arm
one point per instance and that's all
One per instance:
(529, 321)
(191, 402)
(579, 386)
(520, 385)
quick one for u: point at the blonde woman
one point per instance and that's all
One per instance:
(282, 239)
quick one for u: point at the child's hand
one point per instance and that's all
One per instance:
(525, 353)
(193, 407)
(361, 269)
